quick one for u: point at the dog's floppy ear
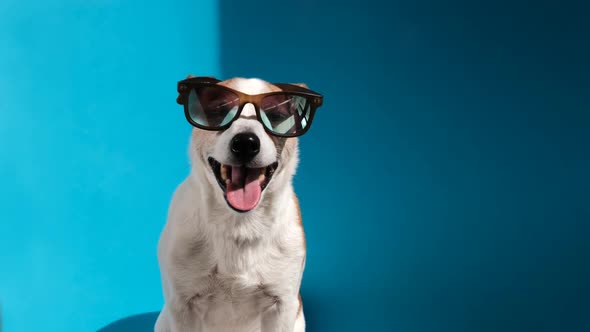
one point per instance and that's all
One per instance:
(178, 98)
(303, 85)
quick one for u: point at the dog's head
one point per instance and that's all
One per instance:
(243, 163)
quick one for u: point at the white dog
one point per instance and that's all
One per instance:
(233, 250)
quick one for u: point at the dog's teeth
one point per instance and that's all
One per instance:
(261, 177)
(223, 172)
(227, 181)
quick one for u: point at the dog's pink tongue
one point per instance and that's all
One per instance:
(243, 191)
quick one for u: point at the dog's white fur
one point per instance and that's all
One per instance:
(228, 271)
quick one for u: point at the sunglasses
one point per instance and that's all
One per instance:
(285, 113)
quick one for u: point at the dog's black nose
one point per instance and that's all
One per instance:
(245, 146)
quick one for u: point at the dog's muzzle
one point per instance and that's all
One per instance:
(242, 186)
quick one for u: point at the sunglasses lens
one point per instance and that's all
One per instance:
(212, 106)
(285, 114)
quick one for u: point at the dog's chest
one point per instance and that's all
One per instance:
(226, 300)
(228, 285)
(227, 291)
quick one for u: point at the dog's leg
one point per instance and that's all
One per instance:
(300, 323)
(181, 318)
(281, 317)
(162, 323)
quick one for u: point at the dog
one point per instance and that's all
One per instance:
(232, 259)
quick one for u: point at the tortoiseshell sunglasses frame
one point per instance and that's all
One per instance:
(184, 87)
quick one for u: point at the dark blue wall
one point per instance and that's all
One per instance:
(444, 184)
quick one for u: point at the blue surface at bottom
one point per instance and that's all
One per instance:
(136, 323)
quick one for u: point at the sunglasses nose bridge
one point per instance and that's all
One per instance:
(248, 109)
(248, 99)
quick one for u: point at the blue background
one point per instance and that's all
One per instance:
(444, 185)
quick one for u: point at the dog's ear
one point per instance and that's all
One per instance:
(178, 98)
(303, 85)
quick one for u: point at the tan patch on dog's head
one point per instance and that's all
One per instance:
(241, 84)
(249, 86)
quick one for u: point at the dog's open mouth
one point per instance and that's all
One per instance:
(241, 185)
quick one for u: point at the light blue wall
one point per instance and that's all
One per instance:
(92, 145)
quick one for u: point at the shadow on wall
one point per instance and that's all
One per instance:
(145, 322)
